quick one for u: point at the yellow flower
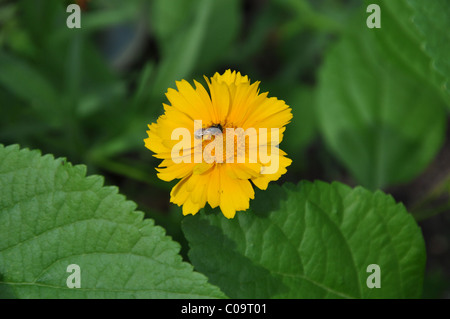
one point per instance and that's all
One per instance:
(221, 178)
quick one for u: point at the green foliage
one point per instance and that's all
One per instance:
(431, 19)
(52, 216)
(314, 240)
(208, 28)
(27, 83)
(377, 114)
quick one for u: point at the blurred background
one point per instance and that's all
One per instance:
(88, 94)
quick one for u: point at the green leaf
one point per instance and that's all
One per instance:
(432, 20)
(52, 216)
(399, 39)
(380, 117)
(184, 51)
(314, 240)
(195, 42)
(24, 81)
(223, 28)
(167, 17)
(120, 13)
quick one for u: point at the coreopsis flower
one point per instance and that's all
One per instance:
(219, 144)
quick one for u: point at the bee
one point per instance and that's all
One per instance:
(215, 129)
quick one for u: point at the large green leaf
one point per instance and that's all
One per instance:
(314, 240)
(379, 115)
(432, 20)
(52, 216)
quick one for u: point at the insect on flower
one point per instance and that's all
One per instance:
(212, 130)
(247, 127)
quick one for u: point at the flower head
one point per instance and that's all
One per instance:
(229, 141)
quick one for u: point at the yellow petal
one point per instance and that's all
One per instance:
(173, 171)
(220, 97)
(263, 180)
(190, 208)
(179, 193)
